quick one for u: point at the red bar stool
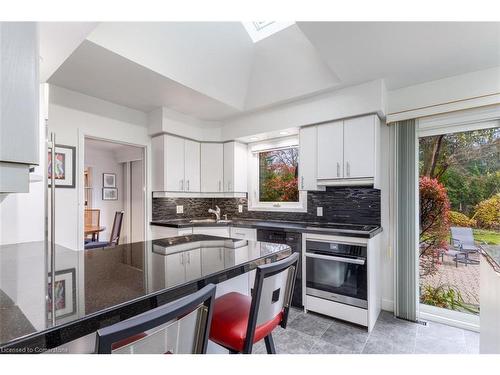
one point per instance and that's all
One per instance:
(239, 321)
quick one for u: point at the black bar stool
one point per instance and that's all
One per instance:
(181, 326)
(239, 321)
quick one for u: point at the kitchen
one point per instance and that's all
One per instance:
(298, 179)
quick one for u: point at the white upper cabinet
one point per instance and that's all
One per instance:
(192, 166)
(359, 147)
(308, 158)
(212, 167)
(176, 164)
(19, 117)
(330, 150)
(340, 153)
(235, 167)
(189, 167)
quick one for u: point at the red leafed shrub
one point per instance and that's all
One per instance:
(434, 221)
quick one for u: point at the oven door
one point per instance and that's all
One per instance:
(337, 278)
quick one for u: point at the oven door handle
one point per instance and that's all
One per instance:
(337, 259)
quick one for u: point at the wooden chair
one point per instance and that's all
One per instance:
(114, 238)
(92, 218)
(179, 327)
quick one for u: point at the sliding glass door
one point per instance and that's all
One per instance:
(459, 194)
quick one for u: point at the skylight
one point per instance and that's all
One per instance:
(262, 29)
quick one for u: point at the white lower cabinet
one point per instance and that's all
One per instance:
(212, 260)
(212, 231)
(175, 271)
(192, 261)
(243, 233)
(158, 232)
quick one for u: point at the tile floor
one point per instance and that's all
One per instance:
(316, 334)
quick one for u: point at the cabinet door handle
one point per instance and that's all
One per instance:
(181, 184)
(348, 169)
(338, 169)
(189, 258)
(187, 185)
(302, 182)
(181, 259)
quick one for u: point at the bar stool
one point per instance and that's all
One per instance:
(239, 321)
(181, 326)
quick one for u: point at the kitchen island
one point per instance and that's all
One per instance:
(103, 286)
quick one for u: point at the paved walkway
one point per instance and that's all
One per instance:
(464, 278)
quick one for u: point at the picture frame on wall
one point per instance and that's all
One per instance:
(65, 293)
(108, 180)
(65, 166)
(109, 194)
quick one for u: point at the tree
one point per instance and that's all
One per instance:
(434, 224)
(488, 213)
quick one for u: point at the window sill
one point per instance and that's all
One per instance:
(278, 209)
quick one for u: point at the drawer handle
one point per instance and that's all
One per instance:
(240, 234)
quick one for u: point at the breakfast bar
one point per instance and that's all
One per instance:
(100, 287)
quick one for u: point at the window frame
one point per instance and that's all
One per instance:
(254, 204)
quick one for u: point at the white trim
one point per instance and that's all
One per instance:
(253, 180)
(274, 144)
(198, 194)
(80, 166)
(460, 121)
(449, 317)
(460, 105)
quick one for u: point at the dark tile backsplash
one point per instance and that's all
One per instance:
(354, 205)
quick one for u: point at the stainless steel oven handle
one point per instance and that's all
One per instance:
(337, 259)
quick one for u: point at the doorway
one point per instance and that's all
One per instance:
(114, 182)
(459, 188)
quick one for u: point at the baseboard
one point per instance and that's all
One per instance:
(387, 305)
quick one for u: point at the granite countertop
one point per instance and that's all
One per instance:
(103, 286)
(492, 254)
(351, 230)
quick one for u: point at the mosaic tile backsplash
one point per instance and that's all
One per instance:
(354, 205)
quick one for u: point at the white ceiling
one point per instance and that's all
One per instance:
(212, 70)
(404, 53)
(96, 71)
(57, 41)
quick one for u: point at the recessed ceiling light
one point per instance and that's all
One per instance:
(284, 133)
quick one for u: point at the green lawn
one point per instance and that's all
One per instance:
(489, 236)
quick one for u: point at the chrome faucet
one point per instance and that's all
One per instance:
(216, 212)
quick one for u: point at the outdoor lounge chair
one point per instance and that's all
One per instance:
(462, 240)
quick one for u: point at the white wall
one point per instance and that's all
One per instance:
(165, 120)
(346, 102)
(456, 88)
(72, 116)
(104, 161)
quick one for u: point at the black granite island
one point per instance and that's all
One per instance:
(100, 287)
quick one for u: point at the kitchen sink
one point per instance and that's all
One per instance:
(194, 221)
